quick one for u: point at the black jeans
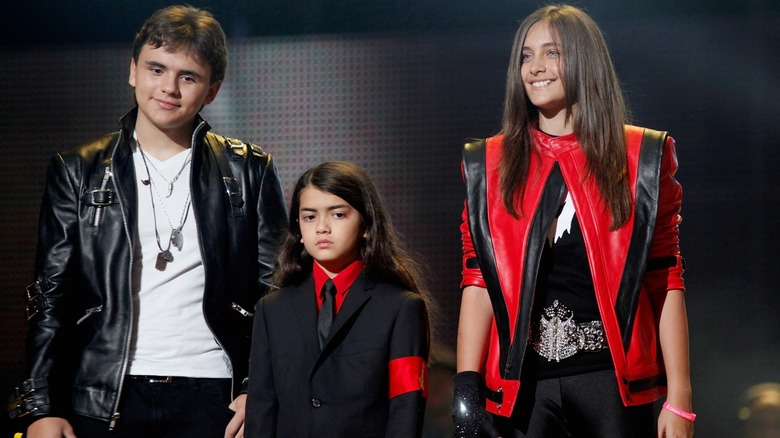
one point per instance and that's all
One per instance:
(584, 405)
(186, 407)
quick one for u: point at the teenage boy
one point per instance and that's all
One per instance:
(155, 243)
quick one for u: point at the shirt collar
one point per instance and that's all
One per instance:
(343, 280)
(551, 145)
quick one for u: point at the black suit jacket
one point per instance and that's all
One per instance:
(297, 391)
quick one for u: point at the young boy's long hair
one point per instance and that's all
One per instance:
(381, 251)
(594, 103)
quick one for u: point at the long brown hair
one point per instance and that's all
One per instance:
(594, 103)
(381, 251)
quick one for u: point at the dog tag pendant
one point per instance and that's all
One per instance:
(163, 258)
(177, 239)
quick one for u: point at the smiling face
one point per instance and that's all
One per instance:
(170, 89)
(331, 230)
(540, 72)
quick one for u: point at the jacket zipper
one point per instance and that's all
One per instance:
(89, 312)
(205, 273)
(508, 364)
(115, 416)
(107, 174)
(125, 361)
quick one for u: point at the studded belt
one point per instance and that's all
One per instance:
(557, 335)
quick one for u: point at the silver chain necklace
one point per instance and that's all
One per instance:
(175, 178)
(177, 238)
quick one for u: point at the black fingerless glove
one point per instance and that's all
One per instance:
(468, 407)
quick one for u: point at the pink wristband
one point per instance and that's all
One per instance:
(690, 416)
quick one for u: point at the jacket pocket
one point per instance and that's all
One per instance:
(357, 346)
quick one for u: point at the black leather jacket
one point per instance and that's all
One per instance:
(80, 306)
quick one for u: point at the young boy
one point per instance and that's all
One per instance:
(155, 243)
(341, 349)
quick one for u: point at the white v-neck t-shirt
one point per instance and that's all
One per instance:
(170, 334)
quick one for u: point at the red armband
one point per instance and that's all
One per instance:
(408, 374)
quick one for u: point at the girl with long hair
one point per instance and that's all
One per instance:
(573, 317)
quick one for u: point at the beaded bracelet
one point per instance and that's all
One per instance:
(690, 416)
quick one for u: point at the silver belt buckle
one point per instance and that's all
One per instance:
(559, 336)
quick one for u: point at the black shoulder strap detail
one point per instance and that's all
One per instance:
(474, 164)
(645, 215)
(661, 263)
(100, 192)
(220, 146)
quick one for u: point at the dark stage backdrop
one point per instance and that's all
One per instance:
(400, 104)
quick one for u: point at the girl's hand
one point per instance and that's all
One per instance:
(468, 407)
(673, 426)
